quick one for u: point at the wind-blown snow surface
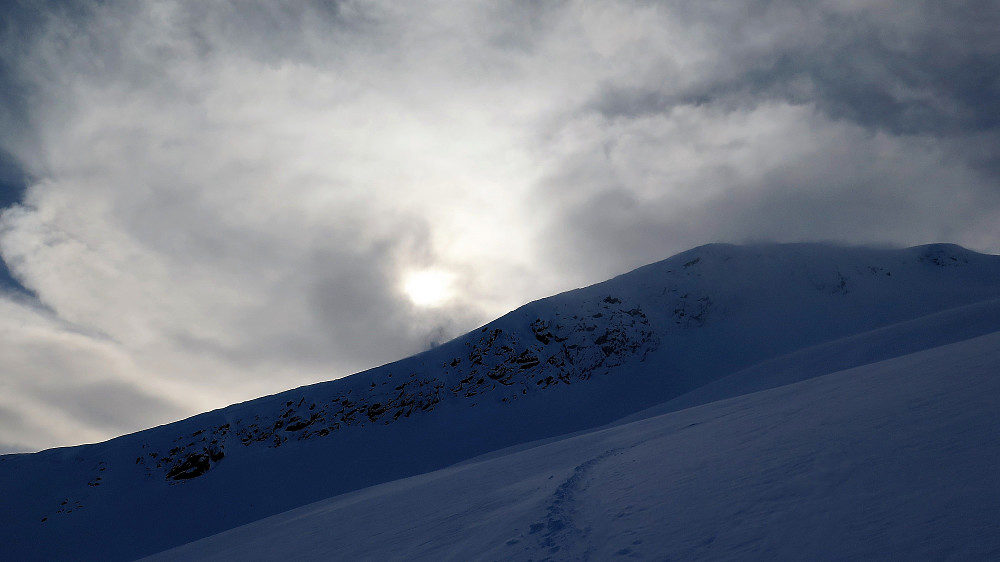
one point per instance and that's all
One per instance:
(712, 323)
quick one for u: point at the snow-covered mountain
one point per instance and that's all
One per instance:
(894, 460)
(694, 333)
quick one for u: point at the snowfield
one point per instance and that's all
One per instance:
(793, 401)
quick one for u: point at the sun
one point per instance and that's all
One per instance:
(428, 287)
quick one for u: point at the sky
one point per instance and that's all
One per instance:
(208, 202)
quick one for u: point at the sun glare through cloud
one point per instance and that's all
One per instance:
(428, 287)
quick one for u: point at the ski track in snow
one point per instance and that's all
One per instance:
(559, 529)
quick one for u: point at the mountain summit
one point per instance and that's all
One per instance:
(713, 323)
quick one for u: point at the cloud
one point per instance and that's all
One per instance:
(225, 199)
(61, 385)
(638, 188)
(780, 121)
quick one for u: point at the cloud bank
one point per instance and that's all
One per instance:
(225, 200)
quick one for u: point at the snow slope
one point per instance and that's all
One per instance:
(892, 460)
(714, 322)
